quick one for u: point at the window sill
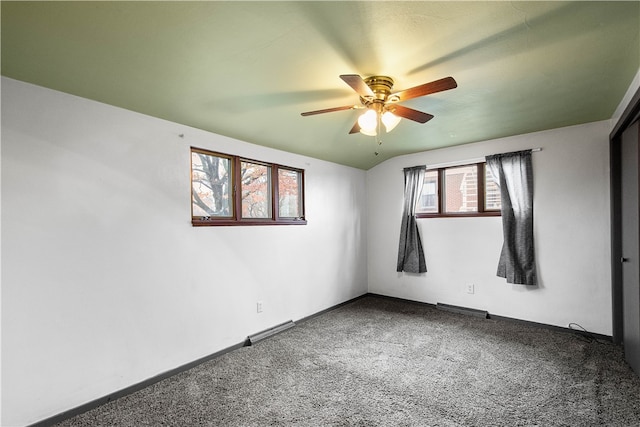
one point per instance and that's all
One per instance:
(232, 222)
(460, 215)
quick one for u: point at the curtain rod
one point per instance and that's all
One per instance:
(469, 161)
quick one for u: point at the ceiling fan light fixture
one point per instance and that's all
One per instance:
(368, 132)
(368, 122)
(390, 120)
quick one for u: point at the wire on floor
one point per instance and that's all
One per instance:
(584, 335)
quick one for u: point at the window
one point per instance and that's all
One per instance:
(229, 190)
(211, 184)
(466, 190)
(289, 191)
(256, 190)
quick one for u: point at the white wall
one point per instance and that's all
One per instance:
(105, 283)
(571, 226)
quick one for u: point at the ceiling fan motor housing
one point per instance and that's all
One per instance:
(381, 87)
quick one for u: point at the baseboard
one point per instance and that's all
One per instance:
(131, 389)
(582, 333)
(268, 333)
(47, 422)
(409, 301)
(252, 339)
(333, 307)
(463, 310)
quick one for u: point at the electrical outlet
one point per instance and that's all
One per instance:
(259, 307)
(470, 288)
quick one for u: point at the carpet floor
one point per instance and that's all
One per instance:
(383, 362)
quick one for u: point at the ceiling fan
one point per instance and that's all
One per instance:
(382, 105)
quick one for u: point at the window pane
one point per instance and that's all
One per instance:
(492, 192)
(428, 201)
(461, 189)
(210, 184)
(256, 190)
(289, 200)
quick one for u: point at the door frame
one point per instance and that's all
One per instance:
(629, 116)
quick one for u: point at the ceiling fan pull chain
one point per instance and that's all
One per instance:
(378, 137)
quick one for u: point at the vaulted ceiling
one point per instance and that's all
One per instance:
(248, 69)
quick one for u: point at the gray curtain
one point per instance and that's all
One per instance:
(410, 253)
(514, 174)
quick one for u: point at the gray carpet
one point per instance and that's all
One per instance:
(382, 362)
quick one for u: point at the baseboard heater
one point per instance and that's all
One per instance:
(463, 310)
(255, 338)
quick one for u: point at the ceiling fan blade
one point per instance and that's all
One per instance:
(426, 89)
(410, 113)
(328, 110)
(357, 83)
(355, 128)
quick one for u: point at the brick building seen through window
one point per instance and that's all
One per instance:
(467, 190)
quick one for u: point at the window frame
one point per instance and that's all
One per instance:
(270, 198)
(235, 195)
(441, 191)
(276, 196)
